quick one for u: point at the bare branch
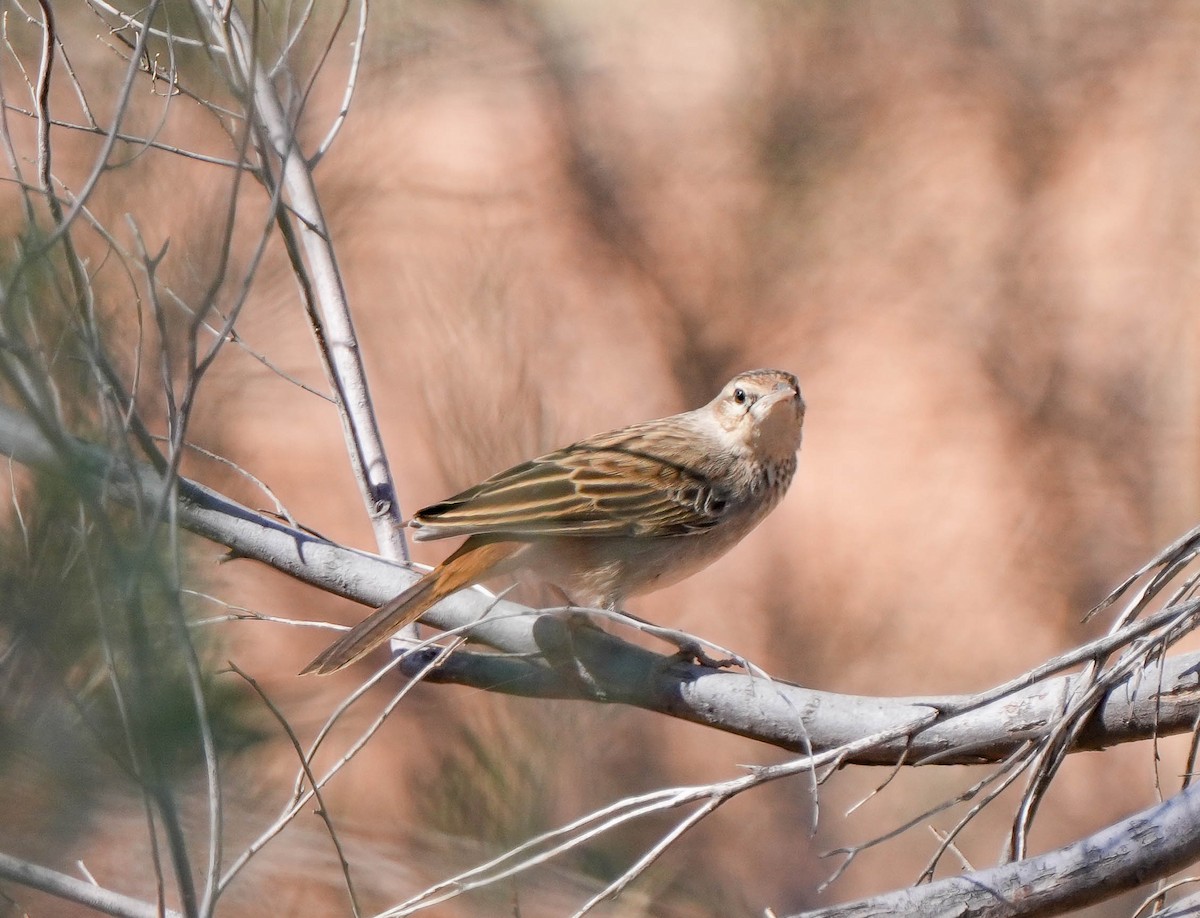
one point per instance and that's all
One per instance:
(63, 221)
(73, 890)
(322, 809)
(985, 727)
(352, 79)
(316, 267)
(1153, 844)
(299, 799)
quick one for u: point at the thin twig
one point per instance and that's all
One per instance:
(322, 809)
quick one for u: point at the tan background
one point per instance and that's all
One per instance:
(971, 230)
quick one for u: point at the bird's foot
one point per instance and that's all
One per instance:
(691, 651)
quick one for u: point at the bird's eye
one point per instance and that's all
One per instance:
(739, 396)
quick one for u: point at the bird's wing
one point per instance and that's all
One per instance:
(603, 486)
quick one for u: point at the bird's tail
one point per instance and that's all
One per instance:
(469, 565)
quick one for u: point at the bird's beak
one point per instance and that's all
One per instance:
(781, 393)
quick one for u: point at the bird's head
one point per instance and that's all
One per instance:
(763, 411)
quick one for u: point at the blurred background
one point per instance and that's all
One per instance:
(972, 230)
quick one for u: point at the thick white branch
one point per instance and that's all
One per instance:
(564, 660)
(1128, 854)
(67, 887)
(323, 284)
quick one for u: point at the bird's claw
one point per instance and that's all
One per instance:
(692, 652)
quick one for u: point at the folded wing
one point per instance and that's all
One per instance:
(596, 487)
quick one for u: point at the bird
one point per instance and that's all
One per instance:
(612, 516)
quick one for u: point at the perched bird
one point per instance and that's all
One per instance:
(612, 516)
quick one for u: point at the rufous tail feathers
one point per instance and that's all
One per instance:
(472, 563)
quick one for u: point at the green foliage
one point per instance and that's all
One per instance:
(98, 662)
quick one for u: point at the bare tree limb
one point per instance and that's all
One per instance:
(317, 271)
(985, 727)
(1153, 844)
(73, 890)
